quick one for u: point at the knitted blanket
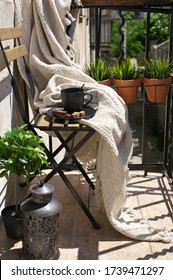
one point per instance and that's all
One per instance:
(48, 28)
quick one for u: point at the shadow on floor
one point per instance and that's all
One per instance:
(150, 196)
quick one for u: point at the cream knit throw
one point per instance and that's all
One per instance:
(45, 24)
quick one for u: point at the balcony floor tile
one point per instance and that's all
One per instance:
(151, 197)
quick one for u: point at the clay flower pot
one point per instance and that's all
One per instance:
(157, 89)
(106, 82)
(127, 89)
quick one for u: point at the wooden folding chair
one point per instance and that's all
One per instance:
(51, 123)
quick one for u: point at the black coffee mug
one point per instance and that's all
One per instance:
(73, 99)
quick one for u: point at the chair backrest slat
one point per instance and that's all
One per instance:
(11, 53)
(10, 33)
(16, 52)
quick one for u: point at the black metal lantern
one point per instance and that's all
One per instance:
(40, 223)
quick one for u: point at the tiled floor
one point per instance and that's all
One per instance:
(150, 196)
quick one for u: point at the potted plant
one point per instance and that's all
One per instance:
(22, 154)
(157, 79)
(99, 71)
(127, 79)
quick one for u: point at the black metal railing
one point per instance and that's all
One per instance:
(152, 123)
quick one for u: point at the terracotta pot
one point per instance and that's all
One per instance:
(157, 90)
(105, 82)
(127, 89)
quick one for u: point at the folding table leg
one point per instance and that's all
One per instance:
(78, 199)
(57, 168)
(71, 153)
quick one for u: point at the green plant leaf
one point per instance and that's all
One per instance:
(158, 69)
(21, 153)
(126, 70)
(98, 70)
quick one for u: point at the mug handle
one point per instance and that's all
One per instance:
(91, 97)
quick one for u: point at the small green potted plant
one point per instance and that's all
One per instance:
(22, 154)
(127, 79)
(157, 79)
(99, 71)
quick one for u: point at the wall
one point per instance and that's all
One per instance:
(6, 19)
(82, 38)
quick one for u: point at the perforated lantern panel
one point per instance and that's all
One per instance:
(41, 237)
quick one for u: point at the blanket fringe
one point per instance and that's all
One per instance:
(132, 226)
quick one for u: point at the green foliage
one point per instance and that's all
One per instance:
(21, 153)
(98, 70)
(157, 69)
(125, 70)
(135, 32)
(159, 27)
